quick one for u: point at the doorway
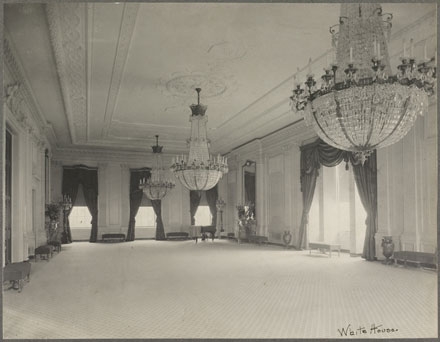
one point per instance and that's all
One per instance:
(8, 198)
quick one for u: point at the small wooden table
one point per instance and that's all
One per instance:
(325, 246)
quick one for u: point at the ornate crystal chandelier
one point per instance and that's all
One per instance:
(199, 171)
(157, 186)
(359, 106)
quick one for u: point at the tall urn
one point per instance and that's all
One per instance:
(387, 248)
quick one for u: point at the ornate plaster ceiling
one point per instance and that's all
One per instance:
(112, 75)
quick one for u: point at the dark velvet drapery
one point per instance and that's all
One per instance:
(160, 231)
(135, 198)
(194, 201)
(320, 153)
(211, 198)
(73, 176)
(366, 181)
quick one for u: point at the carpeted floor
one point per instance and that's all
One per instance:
(149, 289)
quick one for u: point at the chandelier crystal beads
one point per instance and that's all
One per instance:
(157, 186)
(199, 171)
(360, 106)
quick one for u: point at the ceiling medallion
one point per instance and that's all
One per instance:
(181, 85)
(360, 106)
(200, 170)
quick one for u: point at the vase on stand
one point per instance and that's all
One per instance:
(53, 229)
(387, 248)
(287, 238)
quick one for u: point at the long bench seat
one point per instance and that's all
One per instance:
(418, 258)
(113, 237)
(177, 236)
(258, 239)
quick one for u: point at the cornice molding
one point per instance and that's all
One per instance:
(67, 22)
(128, 23)
(15, 101)
(104, 156)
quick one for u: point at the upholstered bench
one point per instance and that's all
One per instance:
(177, 236)
(17, 273)
(113, 237)
(417, 258)
(45, 251)
(258, 239)
(56, 245)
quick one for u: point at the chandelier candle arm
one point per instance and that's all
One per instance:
(360, 105)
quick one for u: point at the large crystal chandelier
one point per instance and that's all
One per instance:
(157, 186)
(199, 171)
(360, 106)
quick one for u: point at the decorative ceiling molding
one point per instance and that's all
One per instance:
(67, 23)
(217, 81)
(19, 96)
(184, 85)
(128, 23)
(174, 147)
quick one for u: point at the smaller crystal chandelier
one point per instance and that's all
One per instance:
(199, 171)
(157, 186)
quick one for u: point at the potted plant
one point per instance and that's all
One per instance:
(246, 220)
(53, 212)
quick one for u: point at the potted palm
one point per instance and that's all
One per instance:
(53, 212)
(246, 221)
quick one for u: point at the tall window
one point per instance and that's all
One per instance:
(203, 216)
(145, 217)
(80, 217)
(337, 214)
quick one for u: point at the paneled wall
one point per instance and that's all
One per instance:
(28, 185)
(407, 186)
(407, 183)
(113, 191)
(279, 201)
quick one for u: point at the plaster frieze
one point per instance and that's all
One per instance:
(18, 94)
(88, 154)
(67, 23)
(16, 104)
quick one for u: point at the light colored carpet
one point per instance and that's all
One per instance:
(149, 289)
